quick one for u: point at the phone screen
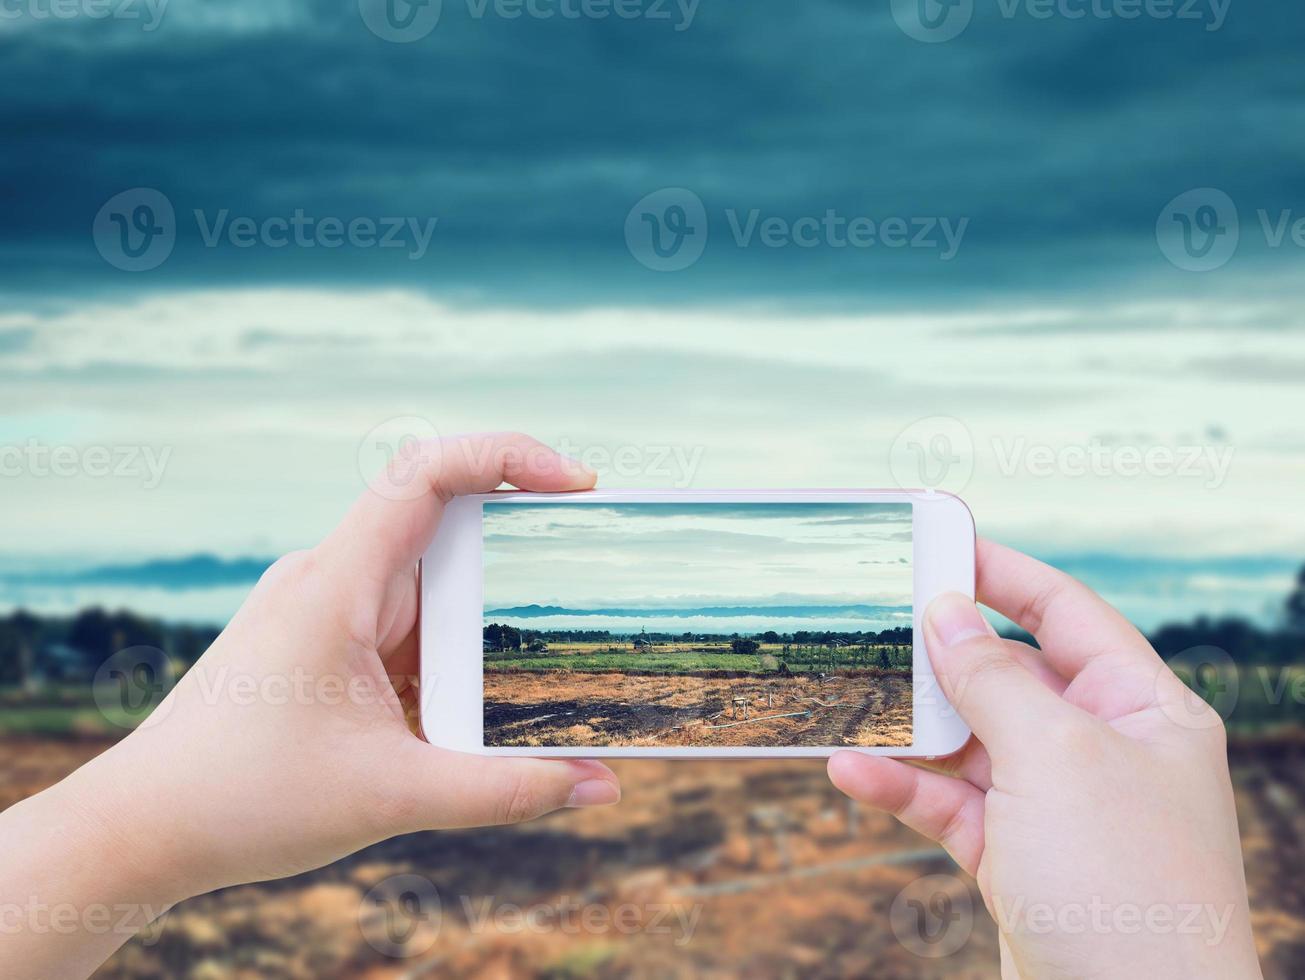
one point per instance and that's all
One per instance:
(697, 624)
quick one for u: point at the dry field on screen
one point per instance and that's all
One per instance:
(578, 708)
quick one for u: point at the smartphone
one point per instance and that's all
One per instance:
(690, 623)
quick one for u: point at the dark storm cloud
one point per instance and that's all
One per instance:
(1059, 141)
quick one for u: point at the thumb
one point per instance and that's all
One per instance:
(441, 789)
(1004, 703)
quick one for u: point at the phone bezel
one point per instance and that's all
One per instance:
(450, 589)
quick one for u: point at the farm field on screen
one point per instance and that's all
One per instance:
(697, 625)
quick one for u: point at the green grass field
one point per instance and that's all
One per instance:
(683, 657)
(59, 710)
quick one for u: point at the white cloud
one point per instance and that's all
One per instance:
(264, 395)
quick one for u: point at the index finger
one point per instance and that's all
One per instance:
(1074, 626)
(385, 533)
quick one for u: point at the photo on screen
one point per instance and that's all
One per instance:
(669, 625)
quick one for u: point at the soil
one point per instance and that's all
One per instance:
(575, 708)
(778, 874)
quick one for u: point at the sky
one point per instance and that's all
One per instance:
(1052, 263)
(699, 568)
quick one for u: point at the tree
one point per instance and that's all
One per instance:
(743, 645)
(1296, 606)
(770, 636)
(12, 666)
(502, 638)
(20, 636)
(98, 635)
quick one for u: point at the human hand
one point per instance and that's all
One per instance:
(286, 746)
(1093, 804)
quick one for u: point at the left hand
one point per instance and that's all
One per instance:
(286, 746)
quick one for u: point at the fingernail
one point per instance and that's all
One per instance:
(955, 618)
(595, 792)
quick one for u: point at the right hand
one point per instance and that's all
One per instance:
(1093, 803)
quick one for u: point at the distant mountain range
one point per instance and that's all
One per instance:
(534, 611)
(1150, 589)
(173, 574)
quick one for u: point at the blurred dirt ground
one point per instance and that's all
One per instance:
(707, 869)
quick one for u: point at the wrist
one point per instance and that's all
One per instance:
(107, 816)
(77, 880)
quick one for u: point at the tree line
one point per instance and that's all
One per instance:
(34, 647)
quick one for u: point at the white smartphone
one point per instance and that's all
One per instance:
(721, 623)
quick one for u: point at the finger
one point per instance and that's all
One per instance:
(1005, 705)
(1074, 626)
(946, 810)
(391, 524)
(443, 789)
(972, 763)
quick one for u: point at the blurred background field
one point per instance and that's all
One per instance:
(788, 880)
(728, 869)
